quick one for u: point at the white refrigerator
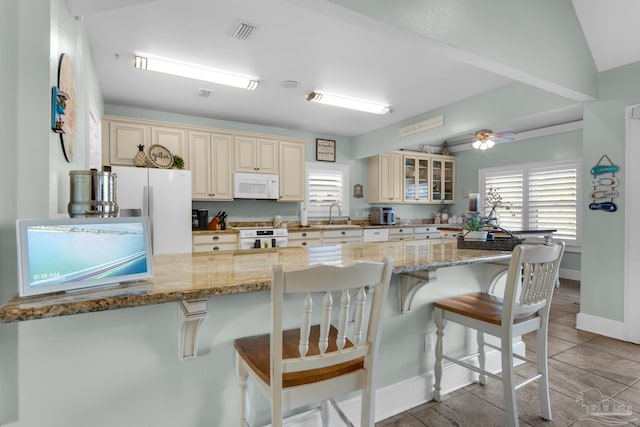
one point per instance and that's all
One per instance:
(164, 195)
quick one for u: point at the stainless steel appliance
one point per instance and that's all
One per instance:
(382, 216)
(92, 194)
(262, 237)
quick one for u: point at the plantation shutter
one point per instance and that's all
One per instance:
(538, 196)
(324, 187)
(553, 200)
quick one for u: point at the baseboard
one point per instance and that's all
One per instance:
(600, 325)
(399, 397)
(570, 274)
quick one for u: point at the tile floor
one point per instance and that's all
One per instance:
(578, 361)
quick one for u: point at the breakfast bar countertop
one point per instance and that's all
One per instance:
(187, 277)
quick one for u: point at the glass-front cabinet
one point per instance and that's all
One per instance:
(442, 179)
(416, 179)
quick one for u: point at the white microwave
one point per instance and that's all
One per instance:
(255, 186)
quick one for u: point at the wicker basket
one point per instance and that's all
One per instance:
(496, 244)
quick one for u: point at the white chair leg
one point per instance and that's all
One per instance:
(244, 397)
(542, 368)
(437, 370)
(482, 357)
(508, 384)
(324, 413)
(367, 416)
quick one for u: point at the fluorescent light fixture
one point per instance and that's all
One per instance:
(195, 72)
(346, 102)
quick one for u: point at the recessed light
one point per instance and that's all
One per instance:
(289, 84)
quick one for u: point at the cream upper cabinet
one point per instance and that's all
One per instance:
(125, 137)
(442, 179)
(173, 139)
(256, 155)
(292, 171)
(416, 178)
(211, 160)
(386, 176)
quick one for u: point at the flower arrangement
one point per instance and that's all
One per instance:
(493, 200)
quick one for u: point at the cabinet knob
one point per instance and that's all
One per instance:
(216, 248)
(304, 243)
(304, 234)
(216, 237)
(343, 233)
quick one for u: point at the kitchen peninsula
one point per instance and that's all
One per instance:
(188, 277)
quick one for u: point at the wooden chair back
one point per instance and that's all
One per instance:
(347, 285)
(533, 272)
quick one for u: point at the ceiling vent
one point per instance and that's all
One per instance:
(204, 93)
(243, 31)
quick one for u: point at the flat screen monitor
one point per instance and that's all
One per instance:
(75, 253)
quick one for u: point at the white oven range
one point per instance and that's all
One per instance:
(262, 237)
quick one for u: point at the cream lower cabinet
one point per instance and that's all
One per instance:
(386, 176)
(214, 242)
(304, 238)
(256, 155)
(211, 166)
(291, 171)
(426, 232)
(342, 236)
(401, 233)
(125, 137)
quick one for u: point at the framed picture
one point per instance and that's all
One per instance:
(325, 150)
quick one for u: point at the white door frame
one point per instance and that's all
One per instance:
(632, 230)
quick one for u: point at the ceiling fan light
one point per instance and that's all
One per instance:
(476, 144)
(195, 72)
(490, 143)
(348, 102)
(483, 146)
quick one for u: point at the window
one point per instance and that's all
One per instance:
(537, 195)
(327, 184)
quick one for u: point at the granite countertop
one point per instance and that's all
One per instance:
(199, 276)
(313, 227)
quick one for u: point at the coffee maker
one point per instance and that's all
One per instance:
(199, 219)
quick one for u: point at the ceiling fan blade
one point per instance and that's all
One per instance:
(502, 139)
(505, 134)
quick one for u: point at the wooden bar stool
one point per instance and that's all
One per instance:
(530, 282)
(311, 364)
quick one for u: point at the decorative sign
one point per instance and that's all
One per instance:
(358, 191)
(610, 182)
(431, 123)
(325, 150)
(63, 114)
(160, 157)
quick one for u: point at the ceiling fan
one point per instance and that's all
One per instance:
(486, 138)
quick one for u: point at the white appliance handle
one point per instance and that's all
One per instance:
(145, 201)
(150, 201)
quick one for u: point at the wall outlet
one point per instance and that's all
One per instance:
(428, 341)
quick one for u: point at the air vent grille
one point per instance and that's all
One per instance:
(243, 31)
(204, 93)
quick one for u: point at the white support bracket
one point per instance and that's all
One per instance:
(190, 316)
(410, 283)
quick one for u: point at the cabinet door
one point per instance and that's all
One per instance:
(245, 154)
(221, 172)
(200, 149)
(392, 191)
(292, 171)
(416, 179)
(443, 179)
(124, 138)
(173, 139)
(267, 156)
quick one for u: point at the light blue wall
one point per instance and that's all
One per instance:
(602, 290)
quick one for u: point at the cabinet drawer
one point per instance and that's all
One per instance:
(426, 229)
(341, 240)
(353, 232)
(304, 235)
(215, 247)
(375, 235)
(395, 231)
(422, 236)
(304, 243)
(215, 238)
(397, 237)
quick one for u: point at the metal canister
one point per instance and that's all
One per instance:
(103, 194)
(80, 193)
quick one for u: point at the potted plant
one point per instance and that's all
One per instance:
(475, 229)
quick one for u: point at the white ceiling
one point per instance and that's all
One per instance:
(337, 51)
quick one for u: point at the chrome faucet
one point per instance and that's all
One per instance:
(339, 212)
